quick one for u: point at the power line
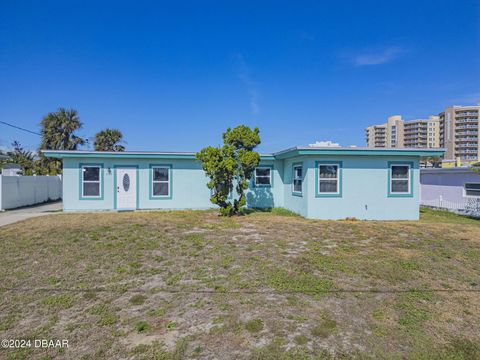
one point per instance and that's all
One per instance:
(20, 128)
(246, 291)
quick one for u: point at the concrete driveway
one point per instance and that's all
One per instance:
(13, 216)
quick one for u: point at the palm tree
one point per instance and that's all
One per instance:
(108, 140)
(58, 133)
(58, 130)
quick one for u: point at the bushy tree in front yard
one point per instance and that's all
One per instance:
(231, 165)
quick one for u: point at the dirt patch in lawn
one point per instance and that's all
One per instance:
(195, 285)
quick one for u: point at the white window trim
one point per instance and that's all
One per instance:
(269, 176)
(160, 181)
(327, 179)
(408, 178)
(295, 178)
(465, 190)
(99, 181)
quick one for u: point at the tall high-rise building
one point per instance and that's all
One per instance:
(386, 135)
(459, 132)
(397, 133)
(422, 133)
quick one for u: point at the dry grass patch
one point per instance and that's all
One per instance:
(273, 285)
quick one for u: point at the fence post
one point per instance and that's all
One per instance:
(1, 191)
(60, 176)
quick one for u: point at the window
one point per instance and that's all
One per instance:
(400, 179)
(297, 179)
(91, 178)
(263, 176)
(160, 181)
(328, 178)
(472, 189)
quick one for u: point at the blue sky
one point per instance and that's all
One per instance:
(174, 75)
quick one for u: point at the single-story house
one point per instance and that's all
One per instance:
(454, 185)
(317, 183)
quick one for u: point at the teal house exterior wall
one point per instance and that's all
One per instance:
(260, 196)
(297, 202)
(188, 191)
(188, 185)
(364, 181)
(364, 190)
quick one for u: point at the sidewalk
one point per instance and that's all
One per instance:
(13, 216)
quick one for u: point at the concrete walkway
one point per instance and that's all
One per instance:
(13, 216)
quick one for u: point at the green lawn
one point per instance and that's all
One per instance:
(172, 285)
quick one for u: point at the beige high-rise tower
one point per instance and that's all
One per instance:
(386, 135)
(397, 133)
(422, 133)
(459, 133)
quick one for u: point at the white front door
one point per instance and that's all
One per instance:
(126, 188)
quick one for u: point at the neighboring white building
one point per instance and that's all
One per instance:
(455, 189)
(11, 170)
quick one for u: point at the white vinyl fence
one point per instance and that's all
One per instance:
(467, 206)
(18, 191)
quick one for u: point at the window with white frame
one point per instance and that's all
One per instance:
(297, 178)
(400, 179)
(263, 176)
(328, 178)
(472, 189)
(161, 181)
(91, 181)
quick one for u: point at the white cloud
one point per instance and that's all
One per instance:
(377, 56)
(243, 73)
(325, 143)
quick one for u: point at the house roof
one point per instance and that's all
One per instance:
(11, 166)
(294, 151)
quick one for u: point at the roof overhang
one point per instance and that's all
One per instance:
(296, 151)
(65, 154)
(299, 151)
